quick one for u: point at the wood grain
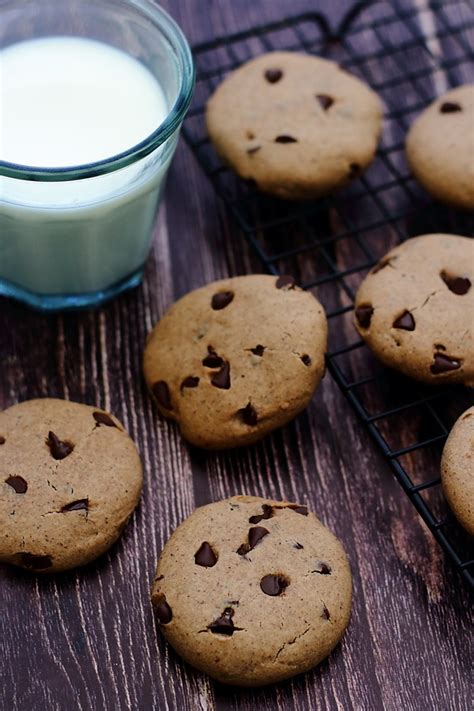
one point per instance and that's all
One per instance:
(87, 640)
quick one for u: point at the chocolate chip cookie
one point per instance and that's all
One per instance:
(457, 470)
(237, 358)
(440, 147)
(297, 125)
(415, 309)
(252, 591)
(70, 479)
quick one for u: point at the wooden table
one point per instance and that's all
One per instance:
(87, 640)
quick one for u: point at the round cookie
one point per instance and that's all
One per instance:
(237, 358)
(252, 591)
(440, 147)
(70, 479)
(415, 309)
(298, 125)
(457, 470)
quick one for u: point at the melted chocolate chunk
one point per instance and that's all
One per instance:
(222, 378)
(322, 568)
(224, 623)
(458, 285)
(205, 556)
(221, 300)
(267, 513)
(258, 350)
(306, 359)
(249, 416)
(190, 382)
(303, 510)
(273, 75)
(325, 100)
(34, 562)
(164, 612)
(406, 322)
(162, 393)
(59, 449)
(17, 483)
(285, 139)
(103, 419)
(2, 440)
(79, 505)
(285, 282)
(298, 546)
(354, 170)
(212, 360)
(253, 149)
(363, 315)
(449, 107)
(255, 536)
(325, 613)
(273, 584)
(444, 364)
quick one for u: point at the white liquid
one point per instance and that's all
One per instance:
(64, 102)
(67, 101)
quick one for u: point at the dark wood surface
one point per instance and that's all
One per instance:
(87, 640)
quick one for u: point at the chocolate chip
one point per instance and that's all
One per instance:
(285, 139)
(58, 448)
(325, 100)
(449, 107)
(17, 483)
(221, 300)
(164, 612)
(322, 568)
(298, 546)
(222, 378)
(273, 584)
(35, 562)
(267, 513)
(162, 393)
(253, 149)
(103, 419)
(205, 556)
(444, 364)
(285, 282)
(354, 170)
(255, 536)
(2, 440)
(249, 416)
(306, 359)
(190, 382)
(364, 315)
(273, 75)
(303, 510)
(325, 613)
(212, 360)
(224, 623)
(458, 285)
(406, 322)
(258, 350)
(79, 505)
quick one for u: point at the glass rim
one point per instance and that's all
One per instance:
(169, 125)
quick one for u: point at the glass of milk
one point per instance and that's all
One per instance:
(92, 97)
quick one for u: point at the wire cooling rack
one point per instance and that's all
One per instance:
(409, 54)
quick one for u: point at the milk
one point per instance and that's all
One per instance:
(65, 102)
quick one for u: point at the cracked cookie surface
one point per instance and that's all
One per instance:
(252, 591)
(70, 479)
(298, 125)
(236, 359)
(457, 470)
(440, 147)
(415, 309)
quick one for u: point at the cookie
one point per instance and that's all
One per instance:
(70, 479)
(457, 470)
(237, 358)
(440, 147)
(297, 125)
(415, 309)
(252, 591)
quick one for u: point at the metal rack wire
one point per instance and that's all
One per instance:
(409, 56)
